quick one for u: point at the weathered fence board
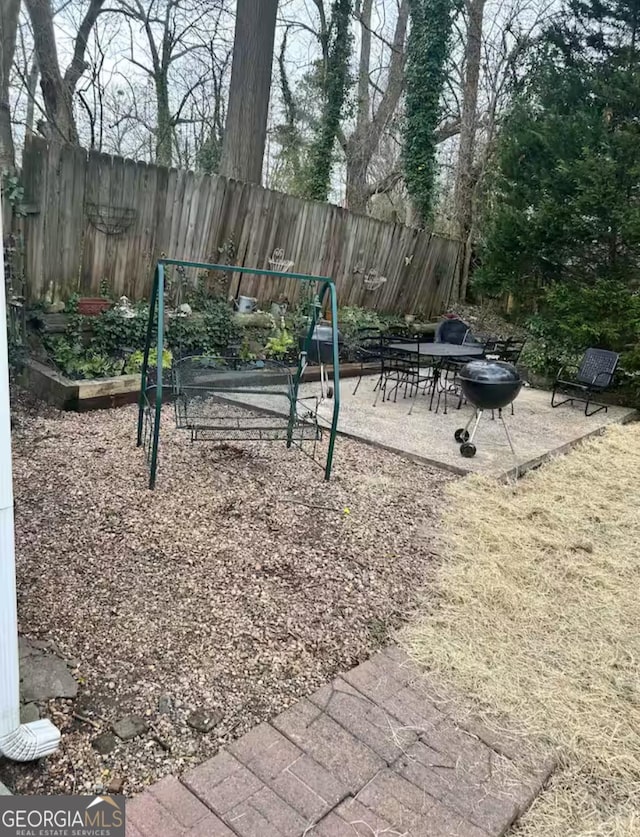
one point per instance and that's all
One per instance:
(93, 217)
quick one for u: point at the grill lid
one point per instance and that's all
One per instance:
(489, 372)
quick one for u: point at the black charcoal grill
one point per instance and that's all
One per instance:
(487, 385)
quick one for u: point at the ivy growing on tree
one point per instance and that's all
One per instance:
(427, 50)
(336, 84)
(209, 154)
(288, 133)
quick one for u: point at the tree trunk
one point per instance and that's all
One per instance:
(164, 127)
(58, 91)
(246, 125)
(334, 94)
(355, 151)
(9, 13)
(32, 83)
(425, 75)
(364, 100)
(465, 177)
(56, 95)
(365, 140)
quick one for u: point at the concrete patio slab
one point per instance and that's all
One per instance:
(537, 431)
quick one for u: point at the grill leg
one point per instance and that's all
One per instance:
(506, 430)
(477, 416)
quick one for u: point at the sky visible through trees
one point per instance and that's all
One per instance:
(120, 109)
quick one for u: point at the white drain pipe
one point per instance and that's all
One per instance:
(20, 742)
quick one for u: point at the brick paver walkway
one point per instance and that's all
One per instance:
(376, 752)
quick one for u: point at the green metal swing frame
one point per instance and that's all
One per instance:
(150, 404)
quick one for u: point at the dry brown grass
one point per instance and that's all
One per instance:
(538, 617)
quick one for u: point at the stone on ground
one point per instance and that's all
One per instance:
(44, 677)
(131, 726)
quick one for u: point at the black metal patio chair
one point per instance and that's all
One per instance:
(401, 369)
(455, 330)
(593, 377)
(366, 349)
(452, 330)
(508, 350)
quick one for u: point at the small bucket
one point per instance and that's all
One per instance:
(246, 304)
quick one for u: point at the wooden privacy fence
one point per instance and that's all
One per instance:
(92, 216)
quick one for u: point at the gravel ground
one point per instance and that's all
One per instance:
(242, 583)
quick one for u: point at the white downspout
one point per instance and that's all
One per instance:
(20, 742)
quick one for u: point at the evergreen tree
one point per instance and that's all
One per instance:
(563, 225)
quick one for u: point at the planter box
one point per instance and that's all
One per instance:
(62, 392)
(92, 306)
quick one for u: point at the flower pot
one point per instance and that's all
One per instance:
(93, 306)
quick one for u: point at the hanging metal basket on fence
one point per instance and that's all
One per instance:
(110, 220)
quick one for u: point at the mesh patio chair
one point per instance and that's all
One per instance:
(593, 377)
(396, 367)
(510, 350)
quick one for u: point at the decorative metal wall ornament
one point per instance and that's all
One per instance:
(278, 262)
(372, 280)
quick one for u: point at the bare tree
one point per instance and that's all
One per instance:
(129, 129)
(369, 138)
(464, 185)
(9, 15)
(210, 110)
(91, 93)
(174, 30)
(57, 89)
(246, 126)
(492, 46)
(371, 122)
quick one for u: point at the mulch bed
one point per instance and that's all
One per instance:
(242, 583)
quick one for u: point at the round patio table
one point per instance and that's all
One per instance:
(439, 350)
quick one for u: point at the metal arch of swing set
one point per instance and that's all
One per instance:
(156, 314)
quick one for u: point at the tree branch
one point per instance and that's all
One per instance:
(385, 184)
(78, 65)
